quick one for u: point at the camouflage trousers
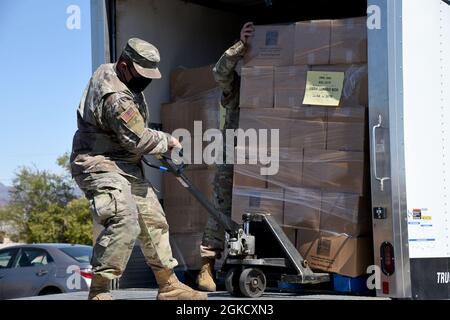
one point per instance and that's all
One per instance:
(214, 235)
(128, 209)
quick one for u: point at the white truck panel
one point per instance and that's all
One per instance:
(426, 126)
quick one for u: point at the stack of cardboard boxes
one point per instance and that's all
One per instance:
(321, 193)
(195, 97)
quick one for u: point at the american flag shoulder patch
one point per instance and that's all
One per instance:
(128, 114)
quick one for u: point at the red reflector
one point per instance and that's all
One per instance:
(385, 287)
(387, 258)
(85, 274)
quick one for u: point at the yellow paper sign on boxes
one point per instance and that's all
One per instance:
(323, 88)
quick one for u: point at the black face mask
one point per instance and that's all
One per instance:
(138, 85)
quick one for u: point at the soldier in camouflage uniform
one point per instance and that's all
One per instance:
(106, 157)
(229, 81)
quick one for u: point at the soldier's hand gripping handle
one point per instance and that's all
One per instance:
(174, 144)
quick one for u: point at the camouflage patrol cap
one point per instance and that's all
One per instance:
(145, 57)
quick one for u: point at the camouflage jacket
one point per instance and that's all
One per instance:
(229, 81)
(112, 130)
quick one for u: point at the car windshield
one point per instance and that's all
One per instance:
(81, 254)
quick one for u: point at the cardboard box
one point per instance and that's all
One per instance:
(331, 41)
(348, 41)
(309, 113)
(347, 114)
(183, 212)
(186, 83)
(298, 127)
(253, 166)
(196, 115)
(267, 119)
(289, 175)
(339, 171)
(324, 251)
(290, 167)
(185, 218)
(307, 134)
(249, 175)
(291, 233)
(272, 45)
(259, 200)
(355, 89)
(345, 213)
(289, 87)
(302, 208)
(346, 136)
(347, 129)
(182, 113)
(252, 155)
(186, 249)
(312, 42)
(257, 87)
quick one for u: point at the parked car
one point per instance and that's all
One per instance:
(41, 269)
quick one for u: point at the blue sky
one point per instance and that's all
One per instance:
(45, 67)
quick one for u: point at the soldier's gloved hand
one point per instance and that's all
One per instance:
(248, 30)
(174, 144)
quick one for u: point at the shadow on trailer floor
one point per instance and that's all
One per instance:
(150, 294)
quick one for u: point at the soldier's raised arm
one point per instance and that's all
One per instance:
(224, 70)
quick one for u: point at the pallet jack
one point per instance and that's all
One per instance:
(258, 251)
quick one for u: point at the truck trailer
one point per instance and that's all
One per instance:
(409, 110)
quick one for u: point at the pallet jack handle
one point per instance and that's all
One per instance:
(168, 165)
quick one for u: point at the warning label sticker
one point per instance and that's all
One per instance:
(421, 231)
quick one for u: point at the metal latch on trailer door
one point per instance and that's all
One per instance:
(379, 213)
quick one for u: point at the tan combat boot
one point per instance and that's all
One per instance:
(99, 289)
(205, 279)
(170, 288)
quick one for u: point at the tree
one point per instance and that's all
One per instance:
(44, 207)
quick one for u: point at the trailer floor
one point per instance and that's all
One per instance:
(150, 294)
